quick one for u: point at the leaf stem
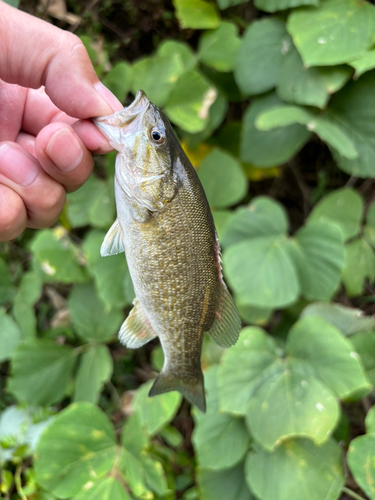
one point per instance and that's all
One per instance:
(17, 480)
(352, 493)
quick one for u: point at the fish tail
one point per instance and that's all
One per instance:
(191, 388)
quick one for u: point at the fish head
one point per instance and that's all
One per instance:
(144, 140)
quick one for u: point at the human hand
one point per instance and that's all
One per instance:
(48, 90)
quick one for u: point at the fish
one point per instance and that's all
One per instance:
(165, 227)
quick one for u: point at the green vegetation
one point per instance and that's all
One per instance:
(274, 102)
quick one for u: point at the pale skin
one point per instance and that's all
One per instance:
(48, 92)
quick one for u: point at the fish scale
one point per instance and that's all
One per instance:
(166, 229)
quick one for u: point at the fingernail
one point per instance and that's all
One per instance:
(17, 166)
(64, 150)
(108, 96)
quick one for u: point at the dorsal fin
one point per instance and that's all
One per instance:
(136, 329)
(114, 241)
(226, 327)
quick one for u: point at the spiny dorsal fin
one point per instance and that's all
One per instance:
(136, 329)
(114, 241)
(226, 327)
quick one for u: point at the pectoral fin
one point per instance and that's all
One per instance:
(136, 329)
(226, 327)
(114, 241)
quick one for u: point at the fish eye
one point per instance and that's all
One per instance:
(157, 136)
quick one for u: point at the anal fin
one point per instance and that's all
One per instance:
(226, 327)
(114, 241)
(136, 329)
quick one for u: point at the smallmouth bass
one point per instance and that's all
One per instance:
(165, 227)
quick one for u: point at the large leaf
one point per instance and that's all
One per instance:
(89, 316)
(334, 32)
(290, 403)
(297, 465)
(364, 346)
(196, 14)
(259, 58)
(261, 271)
(77, 448)
(229, 484)
(344, 207)
(155, 412)
(275, 5)
(92, 204)
(95, 368)
(7, 290)
(57, 256)
(189, 102)
(106, 487)
(220, 440)
(359, 265)
(318, 254)
(311, 86)
(353, 108)
(223, 179)
(346, 319)
(41, 371)
(274, 147)
(328, 353)
(119, 80)
(361, 463)
(157, 76)
(171, 48)
(364, 63)
(262, 217)
(219, 48)
(254, 352)
(10, 335)
(28, 294)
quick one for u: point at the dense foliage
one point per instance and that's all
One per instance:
(275, 105)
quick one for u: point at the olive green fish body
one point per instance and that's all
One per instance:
(165, 226)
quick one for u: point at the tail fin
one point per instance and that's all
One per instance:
(191, 388)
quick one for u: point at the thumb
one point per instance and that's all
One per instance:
(35, 53)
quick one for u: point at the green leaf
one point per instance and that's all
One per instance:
(289, 403)
(221, 220)
(346, 319)
(106, 487)
(223, 179)
(297, 465)
(361, 463)
(155, 412)
(344, 207)
(309, 86)
(359, 265)
(109, 273)
(7, 290)
(95, 368)
(119, 80)
(327, 129)
(57, 256)
(28, 294)
(218, 49)
(364, 345)
(261, 271)
(334, 32)
(275, 5)
(254, 351)
(78, 447)
(363, 64)
(134, 436)
(41, 371)
(157, 76)
(91, 320)
(92, 204)
(196, 14)
(257, 66)
(317, 251)
(354, 109)
(189, 102)
(253, 315)
(169, 48)
(224, 4)
(10, 335)
(229, 484)
(262, 217)
(220, 440)
(369, 229)
(370, 421)
(328, 353)
(267, 149)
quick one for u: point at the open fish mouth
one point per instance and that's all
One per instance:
(121, 118)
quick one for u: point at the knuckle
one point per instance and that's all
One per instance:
(12, 217)
(53, 200)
